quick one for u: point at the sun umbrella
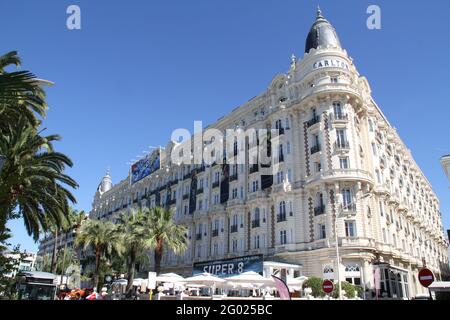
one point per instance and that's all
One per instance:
(204, 278)
(169, 277)
(250, 277)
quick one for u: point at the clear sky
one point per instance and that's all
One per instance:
(139, 69)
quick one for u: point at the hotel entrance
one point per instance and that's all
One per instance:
(393, 282)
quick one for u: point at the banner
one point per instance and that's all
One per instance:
(230, 267)
(282, 288)
(146, 166)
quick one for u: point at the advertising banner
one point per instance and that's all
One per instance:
(146, 166)
(230, 267)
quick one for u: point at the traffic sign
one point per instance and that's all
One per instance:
(426, 277)
(327, 286)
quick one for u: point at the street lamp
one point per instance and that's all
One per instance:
(366, 195)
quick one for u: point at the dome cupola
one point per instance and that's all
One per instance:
(322, 34)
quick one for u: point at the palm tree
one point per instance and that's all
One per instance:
(165, 234)
(21, 93)
(75, 219)
(32, 179)
(136, 231)
(103, 237)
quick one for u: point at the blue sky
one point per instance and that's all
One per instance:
(139, 69)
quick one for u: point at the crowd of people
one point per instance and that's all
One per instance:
(84, 294)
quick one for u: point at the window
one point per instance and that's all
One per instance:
(337, 108)
(235, 246)
(280, 177)
(346, 198)
(344, 163)
(234, 193)
(322, 231)
(255, 186)
(374, 149)
(350, 229)
(334, 80)
(318, 166)
(283, 237)
(282, 208)
(371, 125)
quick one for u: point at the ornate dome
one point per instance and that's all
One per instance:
(322, 34)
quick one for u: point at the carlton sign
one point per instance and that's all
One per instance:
(331, 63)
(230, 267)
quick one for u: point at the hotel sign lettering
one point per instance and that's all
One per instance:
(330, 63)
(230, 267)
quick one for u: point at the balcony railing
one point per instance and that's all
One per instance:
(234, 228)
(234, 177)
(215, 233)
(319, 210)
(254, 168)
(215, 184)
(198, 236)
(185, 196)
(281, 217)
(342, 145)
(281, 131)
(199, 191)
(349, 207)
(342, 116)
(313, 121)
(315, 149)
(256, 224)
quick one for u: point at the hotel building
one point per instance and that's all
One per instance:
(340, 163)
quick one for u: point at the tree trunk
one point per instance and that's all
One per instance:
(64, 262)
(158, 256)
(131, 270)
(97, 269)
(53, 265)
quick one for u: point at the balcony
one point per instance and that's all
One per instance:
(215, 233)
(255, 224)
(185, 196)
(351, 207)
(171, 202)
(215, 184)
(187, 176)
(341, 145)
(315, 149)
(254, 168)
(198, 236)
(233, 177)
(338, 117)
(281, 217)
(281, 158)
(199, 191)
(234, 228)
(313, 121)
(281, 131)
(319, 210)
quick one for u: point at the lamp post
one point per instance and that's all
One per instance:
(366, 195)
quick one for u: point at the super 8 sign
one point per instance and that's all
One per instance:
(426, 277)
(327, 286)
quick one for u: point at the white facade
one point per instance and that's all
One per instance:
(336, 146)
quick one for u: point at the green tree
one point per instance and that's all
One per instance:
(315, 283)
(136, 230)
(32, 180)
(349, 289)
(104, 238)
(21, 93)
(165, 234)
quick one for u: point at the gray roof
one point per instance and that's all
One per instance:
(322, 34)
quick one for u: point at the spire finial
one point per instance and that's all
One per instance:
(108, 170)
(319, 12)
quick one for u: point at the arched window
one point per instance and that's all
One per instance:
(352, 268)
(282, 207)
(257, 214)
(328, 269)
